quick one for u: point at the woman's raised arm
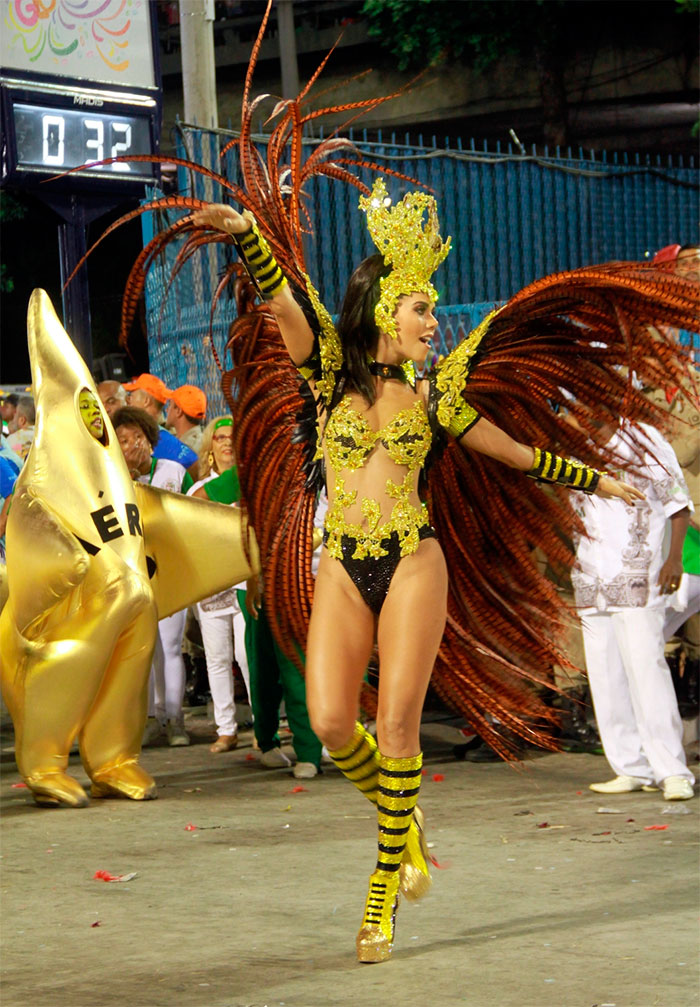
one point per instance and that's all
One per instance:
(489, 439)
(296, 331)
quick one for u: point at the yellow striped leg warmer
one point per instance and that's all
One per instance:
(359, 762)
(397, 794)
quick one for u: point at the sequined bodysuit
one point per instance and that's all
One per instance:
(369, 532)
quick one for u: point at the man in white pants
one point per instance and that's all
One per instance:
(621, 585)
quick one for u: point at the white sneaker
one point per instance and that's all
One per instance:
(305, 771)
(151, 732)
(177, 735)
(620, 785)
(678, 788)
(274, 758)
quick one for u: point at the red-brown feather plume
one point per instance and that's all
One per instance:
(573, 339)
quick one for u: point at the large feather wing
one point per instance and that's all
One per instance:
(573, 339)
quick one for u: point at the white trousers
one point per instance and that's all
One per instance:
(691, 605)
(166, 688)
(633, 695)
(221, 633)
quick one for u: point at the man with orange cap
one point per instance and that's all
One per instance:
(149, 393)
(185, 414)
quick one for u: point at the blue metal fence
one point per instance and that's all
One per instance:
(513, 217)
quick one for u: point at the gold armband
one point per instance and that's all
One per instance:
(551, 468)
(260, 262)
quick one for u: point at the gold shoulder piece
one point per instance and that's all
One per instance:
(451, 377)
(330, 349)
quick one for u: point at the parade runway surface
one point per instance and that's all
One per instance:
(249, 891)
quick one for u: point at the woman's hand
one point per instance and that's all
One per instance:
(222, 217)
(138, 458)
(608, 487)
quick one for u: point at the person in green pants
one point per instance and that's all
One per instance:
(273, 677)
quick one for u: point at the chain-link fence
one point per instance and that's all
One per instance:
(513, 217)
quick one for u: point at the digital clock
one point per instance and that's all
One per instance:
(54, 139)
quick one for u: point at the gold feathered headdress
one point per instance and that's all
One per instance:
(412, 249)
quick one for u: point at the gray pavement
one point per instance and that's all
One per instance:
(541, 901)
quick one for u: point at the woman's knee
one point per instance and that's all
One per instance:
(333, 729)
(397, 736)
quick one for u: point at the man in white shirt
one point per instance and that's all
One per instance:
(622, 584)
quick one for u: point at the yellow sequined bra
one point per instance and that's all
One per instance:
(350, 441)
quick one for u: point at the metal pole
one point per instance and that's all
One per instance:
(199, 88)
(76, 297)
(198, 72)
(288, 48)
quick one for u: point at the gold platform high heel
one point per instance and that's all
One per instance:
(414, 874)
(375, 939)
(359, 762)
(398, 784)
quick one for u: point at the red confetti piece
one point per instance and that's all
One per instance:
(299, 790)
(579, 792)
(97, 923)
(604, 833)
(438, 777)
(19, 786)
(105, 876)
(250, 757)
(655, 828)
(190, 827)
(629, 819)
(542, 825)
(441, 867)
(424, 772)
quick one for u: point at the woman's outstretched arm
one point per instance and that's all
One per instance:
(296, 331)
(489, 439)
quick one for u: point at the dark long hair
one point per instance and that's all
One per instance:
(356, 325)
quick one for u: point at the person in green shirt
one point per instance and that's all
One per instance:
(273, 677)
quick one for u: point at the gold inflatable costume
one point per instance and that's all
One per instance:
(93, 562)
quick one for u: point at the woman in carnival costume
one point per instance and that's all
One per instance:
(431, 519)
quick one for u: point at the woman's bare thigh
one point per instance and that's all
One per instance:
(339, 646)
(411, 625)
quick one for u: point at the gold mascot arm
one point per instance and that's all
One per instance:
(198, 547)
(46, 559)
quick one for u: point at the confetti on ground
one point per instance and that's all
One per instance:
(440, 867)
(579, 792)
(676, 809)
(19, 786)
(299, 790)
(542, 825)
(438, 777)
(655, 828)
(288, 808)
(191, 790)
(97, 923)
(106, 876)
(250, 757)
(609, 811)
(190, 827)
